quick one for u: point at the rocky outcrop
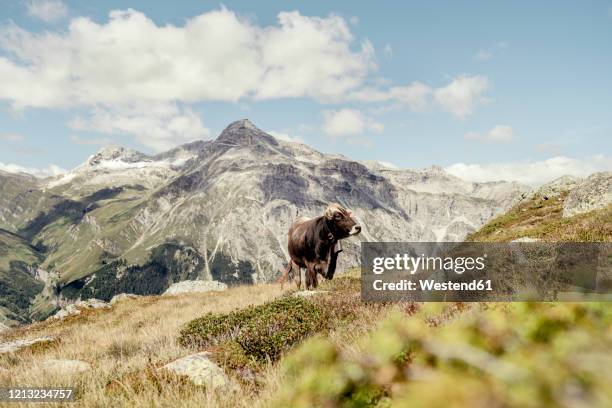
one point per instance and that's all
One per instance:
(200, 370)
(122, 297)
(309, 293)
(195, 287)
(17, 345)
(593, 193)
(558, 186)
(60, 366)
(527, 239)
(76, 308)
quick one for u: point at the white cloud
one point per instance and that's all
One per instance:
(459, 97)
(532, 172)
(415, 96)
(491, 52)
(498, 134)
(160, 126)
(50, 170)
(214, 56)
(483, 55)
(388, 51)
(47, 10)
(286, 137)
(11, 137)
(462, 95)
(349, 122)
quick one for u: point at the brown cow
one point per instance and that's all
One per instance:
(314, 243)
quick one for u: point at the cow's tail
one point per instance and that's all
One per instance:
(285, 274)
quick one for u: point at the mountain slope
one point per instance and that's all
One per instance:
(21, 198)
(18, 283)
(544, 214)
(220, 209)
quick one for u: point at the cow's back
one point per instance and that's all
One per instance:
(297, 246)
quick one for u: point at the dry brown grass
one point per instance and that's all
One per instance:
(128, 343)
(125, 345)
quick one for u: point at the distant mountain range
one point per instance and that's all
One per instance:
(124, 221)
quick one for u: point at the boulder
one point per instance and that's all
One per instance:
(16, 345)
(65, 366)
(526, 239)
(121, 297)
(309, 293)
(75, 308)
(200, 370)
(189, 286)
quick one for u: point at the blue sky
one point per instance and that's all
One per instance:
(489, 90)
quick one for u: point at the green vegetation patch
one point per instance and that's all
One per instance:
(261, 333)
(503, 355)
(18, 287)
(542, 218)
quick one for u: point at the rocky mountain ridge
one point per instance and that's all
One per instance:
(126, 222)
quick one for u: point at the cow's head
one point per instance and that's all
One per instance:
(341, 221)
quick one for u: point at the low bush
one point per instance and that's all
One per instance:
(262, 333)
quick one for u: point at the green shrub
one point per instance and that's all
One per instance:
(264, 332)
(211, 329)
(275, 330)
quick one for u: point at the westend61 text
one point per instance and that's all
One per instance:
(432, 285)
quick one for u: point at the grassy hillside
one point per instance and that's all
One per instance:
(542, 218)
(18, 287)
(332, 350)
(20, 199)
(344, 354)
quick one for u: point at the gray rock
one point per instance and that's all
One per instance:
(65, 366)
(593, 193)
(556, 187)
(195, 286)
(309, 293)
(121, 297)
(74, 309)
(16, 345)
(526, 239)
(200, 370)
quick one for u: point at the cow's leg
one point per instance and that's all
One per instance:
(311, 276)
(299, 277)
(285, 274)
(332, 265)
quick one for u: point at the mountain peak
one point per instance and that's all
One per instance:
(244, 132)
(116, 153)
